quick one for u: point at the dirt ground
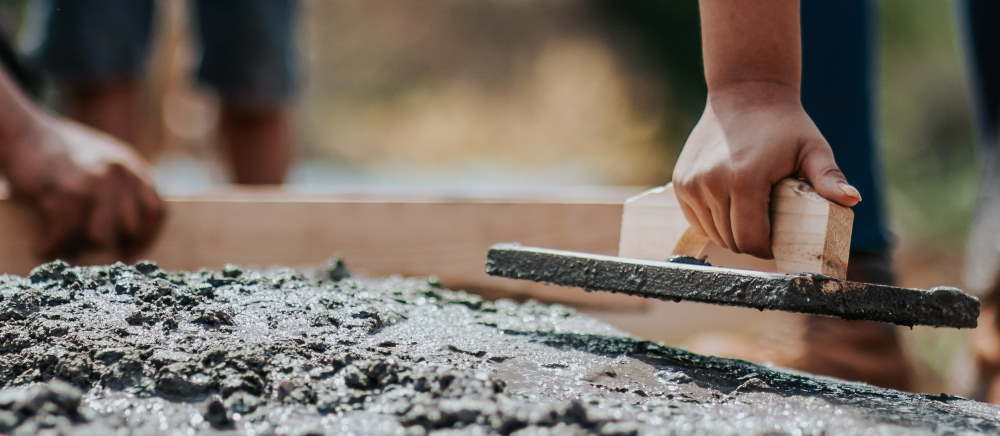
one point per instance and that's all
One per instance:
(133, 348)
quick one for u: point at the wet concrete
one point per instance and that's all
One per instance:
(101, 350)
(689, 281)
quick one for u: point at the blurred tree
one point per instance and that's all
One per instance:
(662, 39)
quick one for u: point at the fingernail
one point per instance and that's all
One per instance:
(850, 191)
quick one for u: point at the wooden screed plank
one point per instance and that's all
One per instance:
(377, 234)
(805, 293)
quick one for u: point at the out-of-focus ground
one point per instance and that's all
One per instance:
(563, 93)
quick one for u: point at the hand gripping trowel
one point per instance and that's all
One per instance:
(661, 256)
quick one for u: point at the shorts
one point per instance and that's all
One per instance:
(247, 47)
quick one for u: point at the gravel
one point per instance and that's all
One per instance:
(134, 349)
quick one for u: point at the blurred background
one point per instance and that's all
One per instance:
(495, 94)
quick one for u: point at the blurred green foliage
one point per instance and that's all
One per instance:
(926, 122)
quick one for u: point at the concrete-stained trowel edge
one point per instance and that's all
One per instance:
(804, 293)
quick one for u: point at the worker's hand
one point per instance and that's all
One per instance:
(749, 138)
(92, 190)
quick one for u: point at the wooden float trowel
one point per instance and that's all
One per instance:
(661, 256)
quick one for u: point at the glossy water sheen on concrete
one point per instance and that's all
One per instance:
(280, 352)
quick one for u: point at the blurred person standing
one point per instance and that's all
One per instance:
(96, 52)
(837, 90)
(983, 255)
(788, 89)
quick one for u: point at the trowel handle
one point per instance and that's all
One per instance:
(808, 232)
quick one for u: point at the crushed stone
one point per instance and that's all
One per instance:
(119, 349)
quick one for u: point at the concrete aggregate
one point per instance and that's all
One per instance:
(124, 349)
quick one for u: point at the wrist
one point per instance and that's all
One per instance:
(753, 93)
(14, 137)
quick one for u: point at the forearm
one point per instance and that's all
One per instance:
(751, 44)
(18, 116)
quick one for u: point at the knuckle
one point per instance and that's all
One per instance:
(686, 195)
(116, 169)
(83, 184)
(683, 183)
(706, 184)
(712, 182)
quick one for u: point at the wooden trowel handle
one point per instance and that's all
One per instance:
(809, 234)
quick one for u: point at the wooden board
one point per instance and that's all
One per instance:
(809, 233)
(378, 234)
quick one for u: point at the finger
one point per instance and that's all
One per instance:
(147, 212)
(129, 215)
(153, 209)
(133, 234)
(818, 165)
(691, 218)
(699, 216)
(721, 219)
(52, 217)
(750, 215)
(102, 220)
(63, 237)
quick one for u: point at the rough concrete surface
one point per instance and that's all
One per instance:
(686, 280)
(135, 350)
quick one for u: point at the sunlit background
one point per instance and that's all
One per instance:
(532, 93)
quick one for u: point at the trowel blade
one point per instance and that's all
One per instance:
(805, 293)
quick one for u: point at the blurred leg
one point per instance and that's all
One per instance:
(249, 58)
(838, 91)
(838, 82)
(983, 259)
(980, 34)
(257, 143)
(983, 256)
(112, 107)
(96, 50)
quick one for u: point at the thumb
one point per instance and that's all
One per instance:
(819, 167)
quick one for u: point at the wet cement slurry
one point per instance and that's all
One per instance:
(131, 348)
(689, 281)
